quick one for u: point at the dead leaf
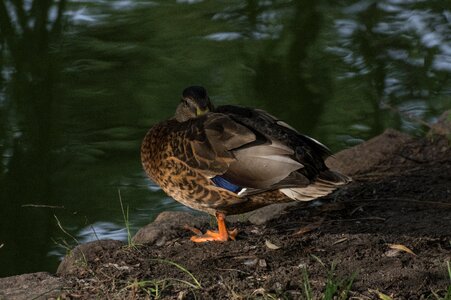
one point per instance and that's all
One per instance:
(260, 291)
(392, 253)
(117, 267)
(271, 245)
(340, 241)
(251, 262)
(182, 295)
(318, 259)
(309, 227)
(400, 247)
(381, 296)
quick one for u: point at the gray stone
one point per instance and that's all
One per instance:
(39, 285)
(443, 125)
(364, 157)
(167, 226)
(265, 214)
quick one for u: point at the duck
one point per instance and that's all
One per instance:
(229, 160)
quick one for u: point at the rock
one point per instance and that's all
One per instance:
(39, 285)
(267, 213)
(364, 157)
(443, 125)
(167, 226)
(81, 255)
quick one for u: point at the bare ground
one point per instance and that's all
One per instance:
(387, 233)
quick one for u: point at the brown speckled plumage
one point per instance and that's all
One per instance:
(255, 151)
(168, 160)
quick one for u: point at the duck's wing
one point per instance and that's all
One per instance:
(205, 143)
(310, 181)
(306, 151)
(217, 145)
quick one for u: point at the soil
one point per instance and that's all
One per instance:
(389, 232)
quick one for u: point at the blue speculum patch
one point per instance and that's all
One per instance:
(223, 183)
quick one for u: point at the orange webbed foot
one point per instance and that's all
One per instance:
(222, 235)
(214, 236)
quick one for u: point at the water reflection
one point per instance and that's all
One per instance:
(297, 77)
(101, 231)
(81, 82)
(401, 51)
(28, 131)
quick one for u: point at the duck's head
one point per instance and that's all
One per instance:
(194, 103)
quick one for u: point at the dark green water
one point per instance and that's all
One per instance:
(80, 84)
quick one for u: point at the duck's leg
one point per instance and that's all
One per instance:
(221, 235)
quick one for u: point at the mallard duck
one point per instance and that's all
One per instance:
(229, 160)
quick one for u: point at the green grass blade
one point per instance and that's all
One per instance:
(318, 259)
(306, 284)
(448, 292)
(64, 230)
(194, 286)
(126, 220)
(331, 287)
(197, 283)
(347, 289)
(449, 269)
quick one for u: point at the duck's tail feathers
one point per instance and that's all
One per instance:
(308, 193)
(325, 184)
(333, 178)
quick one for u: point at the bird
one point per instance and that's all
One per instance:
(231, 159)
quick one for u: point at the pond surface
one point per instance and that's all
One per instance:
(82, 81)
